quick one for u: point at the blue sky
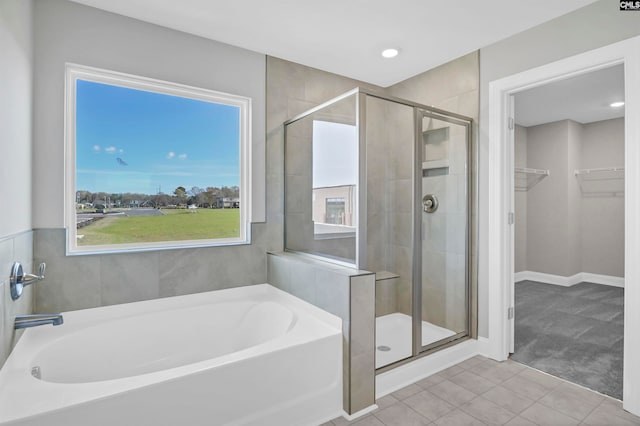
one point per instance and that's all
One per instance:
(161, 141)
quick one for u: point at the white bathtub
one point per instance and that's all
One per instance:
(244, 356)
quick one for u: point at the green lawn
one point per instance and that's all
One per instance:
(174, 225)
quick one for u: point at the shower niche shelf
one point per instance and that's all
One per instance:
(386, 275)
(603, 181)
(526, 178)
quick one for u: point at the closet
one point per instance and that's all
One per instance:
(569, 201)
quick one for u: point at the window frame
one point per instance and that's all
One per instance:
(74, 72)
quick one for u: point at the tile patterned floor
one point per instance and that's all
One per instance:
(481, 392)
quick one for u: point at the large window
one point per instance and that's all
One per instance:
(152, 164)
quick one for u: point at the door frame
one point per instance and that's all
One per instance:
(417, 306)
(500, 194)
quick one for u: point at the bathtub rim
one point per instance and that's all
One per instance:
(16, 370)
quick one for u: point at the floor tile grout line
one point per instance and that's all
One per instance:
(592, 410)
(401, 402)
(510, 412)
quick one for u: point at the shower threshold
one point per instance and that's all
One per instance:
(393, 337)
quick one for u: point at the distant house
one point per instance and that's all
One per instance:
(227, 203)
(232, 203)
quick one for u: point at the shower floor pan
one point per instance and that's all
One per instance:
(393, 337)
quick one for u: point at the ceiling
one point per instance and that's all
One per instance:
(584, 99)
(346, 36)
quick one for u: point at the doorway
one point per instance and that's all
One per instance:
(499, 184)
(568, 235)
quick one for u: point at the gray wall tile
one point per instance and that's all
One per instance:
(5, 345)
(347, 293)
(13, 248)
(71, 283)
(79, 282)
(177, 276)
(6, 258)
(332, 292)
(117, 271)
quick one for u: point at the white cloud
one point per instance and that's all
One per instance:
(182, 156)
(170, 155)
(96, 148)
(110, 149)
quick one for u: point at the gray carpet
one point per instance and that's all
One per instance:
(572, 332)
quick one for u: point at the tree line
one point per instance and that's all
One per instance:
(202, 197)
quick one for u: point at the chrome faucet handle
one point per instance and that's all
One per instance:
(31, 278)
(41, 268)
(18, 280)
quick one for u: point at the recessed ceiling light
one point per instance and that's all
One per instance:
(616, 104)
(390, 53)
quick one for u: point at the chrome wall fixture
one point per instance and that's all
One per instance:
(429, 203)
(18, 280)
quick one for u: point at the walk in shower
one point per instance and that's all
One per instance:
(382, 184)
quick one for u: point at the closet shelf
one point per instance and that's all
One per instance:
(602, 181)
(599, 171)
(526, 178)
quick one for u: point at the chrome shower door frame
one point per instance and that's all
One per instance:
(430, 112)
(420, 111)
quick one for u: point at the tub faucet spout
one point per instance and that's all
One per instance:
(26, 321)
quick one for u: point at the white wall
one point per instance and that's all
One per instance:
(16, 70)
(549, 239)
(570, 228)
(574, 198)
(16, 240)
(70, 32)
(602, 222)
(596, 25)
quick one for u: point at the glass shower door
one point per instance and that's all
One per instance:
(443, 151)
(390, 134)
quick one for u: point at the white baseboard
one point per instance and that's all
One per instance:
(603, 279)
(421, 368)
(484, 347)
(569, 281)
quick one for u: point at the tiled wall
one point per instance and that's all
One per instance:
(79, 282)
(444, 236)
(291, 90)
(299, 166)
(344, 292)
(390, 146)
(14, 248)
(453, 87)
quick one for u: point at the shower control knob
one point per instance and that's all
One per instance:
(429, 203)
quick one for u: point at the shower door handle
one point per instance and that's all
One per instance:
(429, 203)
